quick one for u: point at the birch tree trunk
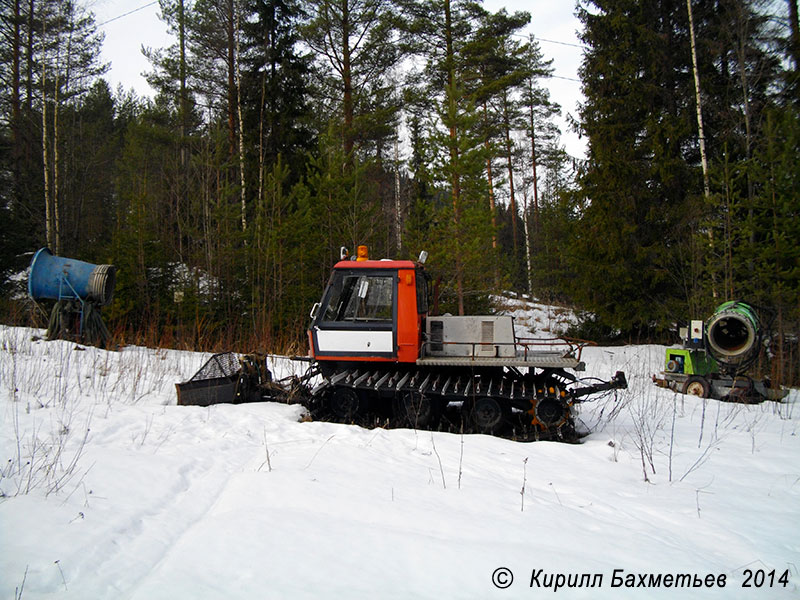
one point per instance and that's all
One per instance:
(398, 224)
(700, 132)
(45, 161)
(241, 129)
(29, 59)
(15, 97)
(48, 206)
(56, 211)
(534, 173)
(231, 79)
(184, 116)
(526, 225)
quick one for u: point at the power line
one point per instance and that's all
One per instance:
(524, 36)
(557, 42)
(538, 39)
(130, 12)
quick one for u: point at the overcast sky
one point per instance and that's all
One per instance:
(131, 24)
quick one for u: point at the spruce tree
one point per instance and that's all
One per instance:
(276, 87)
(494, 67)
(635, 187)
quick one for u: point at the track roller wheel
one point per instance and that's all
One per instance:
(487, 415)
(416, 410)
(345, 404)
(696, 386)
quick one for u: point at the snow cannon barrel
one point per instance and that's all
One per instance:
(733, 334)
(57, 278)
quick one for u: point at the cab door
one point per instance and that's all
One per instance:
(358, 316)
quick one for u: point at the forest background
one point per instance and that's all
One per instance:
(274, 139)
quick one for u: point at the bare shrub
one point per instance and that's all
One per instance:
(647, 416)
(44, 460)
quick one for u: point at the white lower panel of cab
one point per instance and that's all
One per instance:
(333, 340)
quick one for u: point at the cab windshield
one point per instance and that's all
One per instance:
(360, 298)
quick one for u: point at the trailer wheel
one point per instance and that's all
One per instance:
(345, 404)
(696, 386)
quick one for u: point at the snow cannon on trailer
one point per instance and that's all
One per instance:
(716, 355)
(377, 355)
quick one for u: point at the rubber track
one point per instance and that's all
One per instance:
(509, 388)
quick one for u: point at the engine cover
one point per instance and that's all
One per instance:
(470, 336)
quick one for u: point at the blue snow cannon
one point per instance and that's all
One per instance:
(58, 278)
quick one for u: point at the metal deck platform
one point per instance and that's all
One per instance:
(540, 360)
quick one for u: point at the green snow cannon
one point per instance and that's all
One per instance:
(733, 335)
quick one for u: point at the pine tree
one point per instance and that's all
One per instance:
(354, 44)
(542, 154)
(493, 67)
(538, 113)
(441, 29)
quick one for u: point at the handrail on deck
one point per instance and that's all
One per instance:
(574, 346)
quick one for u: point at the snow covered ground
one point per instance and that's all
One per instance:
(110, 490)
(533, 318)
